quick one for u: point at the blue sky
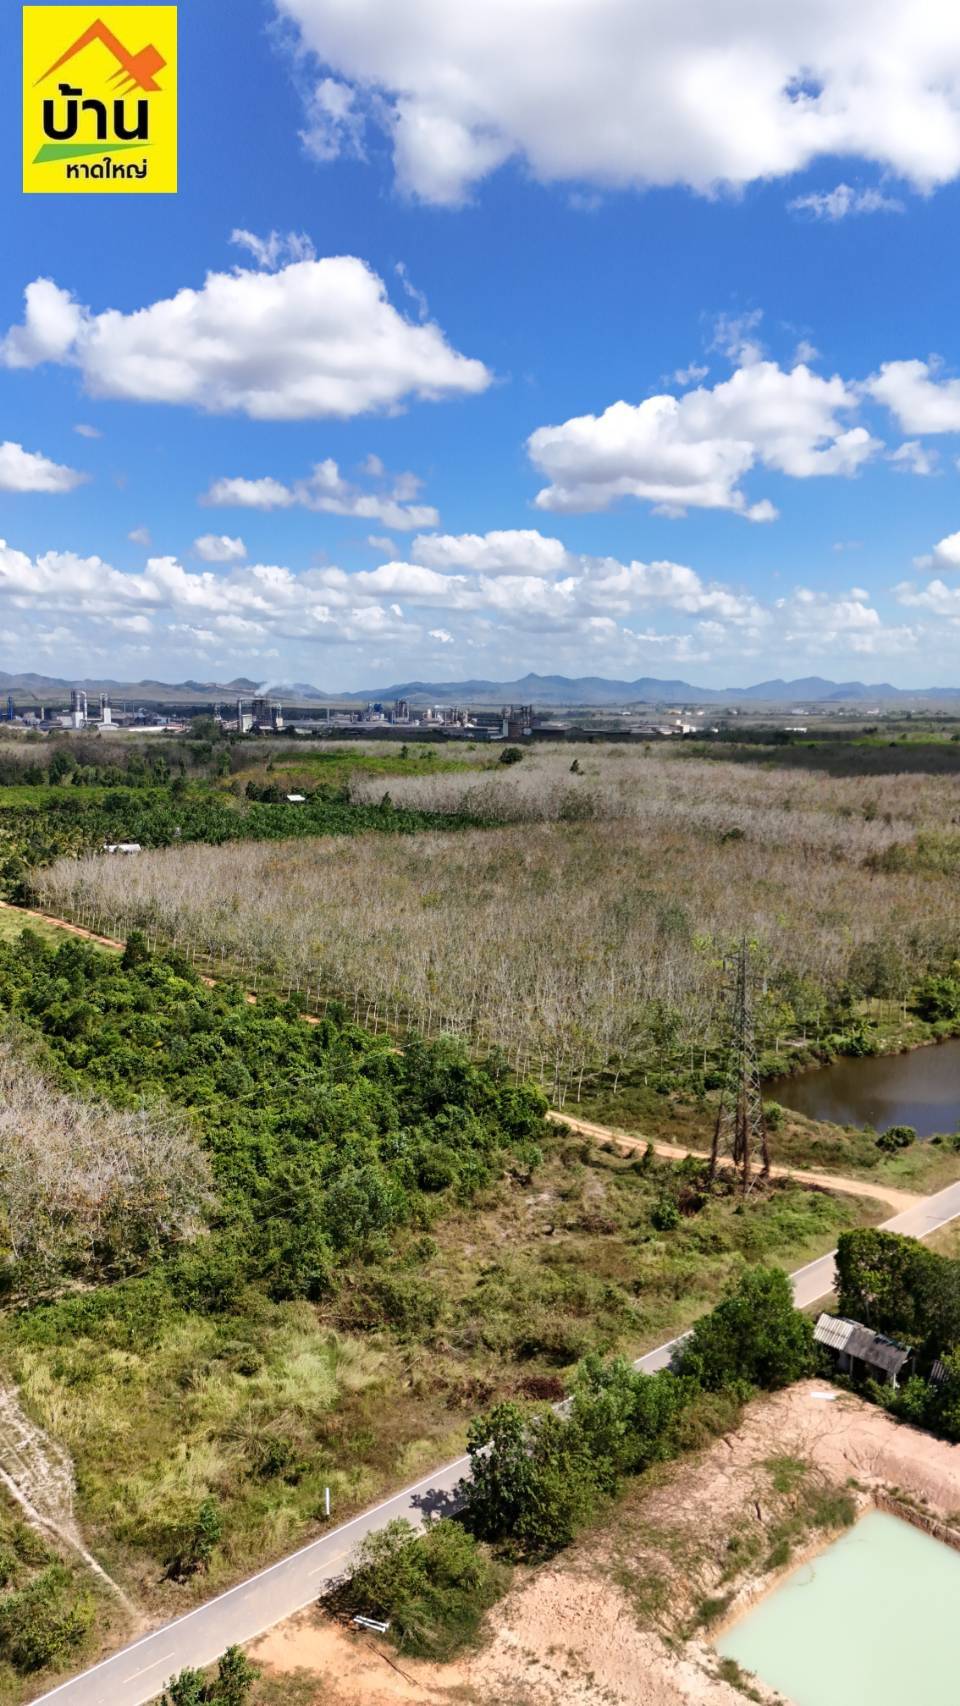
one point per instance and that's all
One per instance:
(589, 348)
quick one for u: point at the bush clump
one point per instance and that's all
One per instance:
(433, 1588)
(896, 1137)
(755, 1335)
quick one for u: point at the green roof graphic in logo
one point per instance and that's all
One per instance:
(52, 151)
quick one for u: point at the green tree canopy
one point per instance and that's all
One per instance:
(755, 1335)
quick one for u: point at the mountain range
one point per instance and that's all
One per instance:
(592, 691)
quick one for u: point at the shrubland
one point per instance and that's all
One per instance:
(538, 1476)
(373, 1246)
(42, 823)
(433, 1588)
(388, 1243)
(71, 794)
(48, 1611)
(320, 1139)
(89, 760)
(230, 1686)
(845, 815)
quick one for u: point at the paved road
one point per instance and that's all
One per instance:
(138, 1673)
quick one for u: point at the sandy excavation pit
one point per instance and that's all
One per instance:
(626, 1616)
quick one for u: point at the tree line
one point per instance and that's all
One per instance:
(540, 1474)
(906, 1291)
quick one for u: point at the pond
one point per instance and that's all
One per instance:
(869, 1620)
(921, 1089)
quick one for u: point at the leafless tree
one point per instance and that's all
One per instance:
(582, 934)
(85, 1187)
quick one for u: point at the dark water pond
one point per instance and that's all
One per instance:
(921, 1089)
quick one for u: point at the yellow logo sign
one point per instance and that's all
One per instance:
(99, 100)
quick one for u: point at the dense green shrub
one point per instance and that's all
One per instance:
(754, 1335)
(626, 1420)
(235, 1677)
(44, 1622)
(938, 998)
(432, 1587)
(896, 1137)
(533, 1482)
(897, 1286)
(538, 1475)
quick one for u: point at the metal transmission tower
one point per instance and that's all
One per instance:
(741, 1130)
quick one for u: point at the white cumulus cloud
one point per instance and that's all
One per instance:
(847, 622)
(912, 457)
(936, 597)
(520, 551)
(317, 338)
(249, 494)
(61, 602)
(704, 92)
(694, 451)
(945, 554)
(27, 471)
(920, 401)
(276, 249)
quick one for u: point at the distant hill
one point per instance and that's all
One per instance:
(546, 691)
(813, 687)
(57, 688)
(597, 691)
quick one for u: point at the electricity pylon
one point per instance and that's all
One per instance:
(741, 1130)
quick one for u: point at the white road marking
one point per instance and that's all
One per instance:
(166, 1658)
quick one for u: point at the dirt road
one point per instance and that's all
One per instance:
(898, 1200)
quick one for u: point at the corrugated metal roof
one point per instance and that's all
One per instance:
(834, 1331)
(879, 1352)
(861, 1342)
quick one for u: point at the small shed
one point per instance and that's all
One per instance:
(861, 1351)
(296, 799)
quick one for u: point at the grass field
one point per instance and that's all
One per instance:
(946, 1242)
(13, 922)
(337, 764)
